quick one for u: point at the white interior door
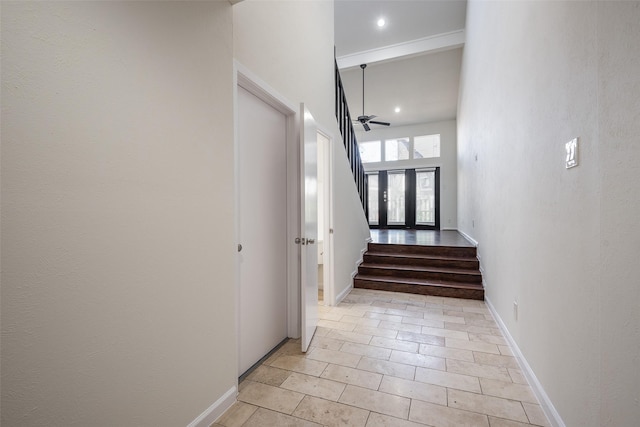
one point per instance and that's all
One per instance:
(262, 228)
(309, 226)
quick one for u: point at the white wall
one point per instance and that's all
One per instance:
(564, 243)
(117, 145)
(289, 45)
(447, 161)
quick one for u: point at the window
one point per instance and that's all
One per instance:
(370, 151)
(426, 146)
(396, 149)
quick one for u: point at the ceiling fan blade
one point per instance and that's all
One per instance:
(371, 117)
(373, 122)
(366, 127)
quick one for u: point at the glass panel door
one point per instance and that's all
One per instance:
(395, 197)
(426, 197)
(374, 188)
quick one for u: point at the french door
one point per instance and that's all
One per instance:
(405, 198)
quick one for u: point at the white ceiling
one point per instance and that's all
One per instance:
(413, 62)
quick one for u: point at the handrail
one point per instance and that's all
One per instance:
(350, 143)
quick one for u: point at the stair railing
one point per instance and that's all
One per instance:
(350, 143)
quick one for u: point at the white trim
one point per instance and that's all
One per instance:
(344, 293)
(471, 239)
(545, 402)
(432, 44)
(215, 411)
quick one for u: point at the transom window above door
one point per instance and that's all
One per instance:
(398, 149)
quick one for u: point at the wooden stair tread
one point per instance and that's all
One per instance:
(404, 267)
(419, 282)
(421, 256)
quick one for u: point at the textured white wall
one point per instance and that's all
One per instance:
(289, 45)
(447, 161)
(564, 243)
(117, 255)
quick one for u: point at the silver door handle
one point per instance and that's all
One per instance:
(310, 241)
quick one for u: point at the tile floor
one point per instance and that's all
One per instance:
(383, 359)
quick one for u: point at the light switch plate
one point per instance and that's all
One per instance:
(572, 153)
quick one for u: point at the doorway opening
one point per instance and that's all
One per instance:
(404, 198)
(324, 219)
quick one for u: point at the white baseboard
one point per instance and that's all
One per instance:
(215, 411)
(469, 238)
(545, 402)
(344, 293)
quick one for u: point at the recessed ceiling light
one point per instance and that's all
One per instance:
(397, 110)
(381, 22)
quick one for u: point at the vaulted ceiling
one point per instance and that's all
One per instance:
(413, 61)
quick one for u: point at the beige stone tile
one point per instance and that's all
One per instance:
(445, 318)
(264, 417)
(330, 414)
(349, 336)
(326, 343)
(448, 379)
(387, 368)
(384, 317)
(536, 414)
(377, 332)
(362, 321)
(517, 376)
(507, 390)
(442, 416)
(472, 345)
(420, 338)
(427, 309)
(237, 415)
(477, 370)
(389, 305)
(372, 400)
(336, 325)
(270, 397)
(484, 323)
(367, 350)
(478, 309)
(406, 314)
(464, 314)
(397, 326)
(495, 360)
(505, 350)
(322, 332)
(335, 357)
(414, 390)
(314, 386)
(352, 376)
(395, 344)
(449, 353)
(300, 364)
(501, 422)
(472, 329)
(433, 323)
(446, 333)
(492, 339)
(489, 405)
(404, 299)
(290, 348)
(380, 420)
(333, 316)
(268, 375)
(416, 359)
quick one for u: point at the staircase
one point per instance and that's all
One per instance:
(446, 271)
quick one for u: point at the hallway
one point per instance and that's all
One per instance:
(392, 359)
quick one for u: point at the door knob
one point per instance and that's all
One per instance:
(311, 241)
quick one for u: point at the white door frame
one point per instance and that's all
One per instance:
(244, 78)
(328, 272)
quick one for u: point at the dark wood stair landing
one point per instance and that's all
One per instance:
(421, 262)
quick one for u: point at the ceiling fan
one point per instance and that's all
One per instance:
(366, 120)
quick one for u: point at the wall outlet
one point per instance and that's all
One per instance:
(515, 310)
